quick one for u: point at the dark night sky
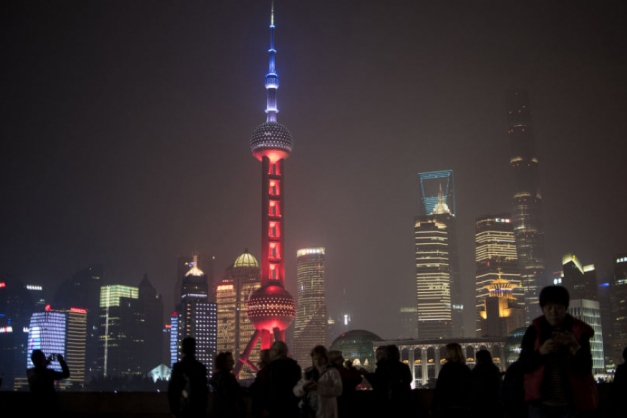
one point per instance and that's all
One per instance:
(125, 133)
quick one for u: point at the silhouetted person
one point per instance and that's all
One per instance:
(188, 389)
(351, 378)
(391, 382)
(259, 388)
(227, 393)
(513, 392)
(486, 386)
(452, 389)
(41, 382)
(283, 374)
(619, 386)
(320, 387)
(556, 357)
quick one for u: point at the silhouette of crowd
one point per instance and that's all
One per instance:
(552, 378)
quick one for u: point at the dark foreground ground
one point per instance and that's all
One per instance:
(154, 404)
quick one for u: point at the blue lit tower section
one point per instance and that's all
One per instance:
(432, 183)
(526, 201)
(271, 308)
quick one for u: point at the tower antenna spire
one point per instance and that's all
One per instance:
(272, 78)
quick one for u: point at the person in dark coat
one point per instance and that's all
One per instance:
(188, 390)
(391, 382)
(451, 397)
(228, 401)
(557, 360)
(619, 386)
(486, 385)
(259, 388)
(41, 381)
(513, 392)
(351, 378)
(283, 374)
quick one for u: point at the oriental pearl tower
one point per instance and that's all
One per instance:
(271, 308)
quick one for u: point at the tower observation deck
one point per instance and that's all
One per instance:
(271, 308)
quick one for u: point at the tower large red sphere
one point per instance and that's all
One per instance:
(271, 307)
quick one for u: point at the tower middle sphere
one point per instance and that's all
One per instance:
(272, 140)
(271, 307)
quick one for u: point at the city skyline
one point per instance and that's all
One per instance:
(127, 135)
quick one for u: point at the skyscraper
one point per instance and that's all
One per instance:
(439, 300)
(117, 346)
(495, 257)
(149, 314)
(240, 280)
(271, 308)
(60, 332)
(83, 290)
(310, 324)
(196, 316)
(581, 282)
(436, 273)
(16, 307)
(618, 296)
(526, 200)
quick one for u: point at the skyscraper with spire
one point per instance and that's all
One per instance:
(438, 285)
(436, 273)
(526, 200)
(271, 308)
(196, 316)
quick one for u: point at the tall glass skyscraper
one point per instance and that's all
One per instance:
(495, 257)
(197, 316)
(310, 324)
(526, 200)
(438, 280)
(618, 297)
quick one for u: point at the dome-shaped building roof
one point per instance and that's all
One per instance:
(357, 345)
(246, 260)
(271, 135)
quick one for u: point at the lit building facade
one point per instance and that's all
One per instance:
(581, 283)
(117, 348)
(437, 190)
(16, 308)
(589, 312)
(425, 357)
(311, 322)
(60, 332)
(197, 317)
(501, 314)
(436, 272)
(526, 201)
(83, 290)
(495, 257)
(618, 297)
(235, 330)
(271, 308)
(580, 280)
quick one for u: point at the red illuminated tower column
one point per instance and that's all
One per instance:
(271, 308)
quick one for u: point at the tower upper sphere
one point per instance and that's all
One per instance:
(271, 139)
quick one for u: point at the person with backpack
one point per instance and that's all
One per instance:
(320, 387)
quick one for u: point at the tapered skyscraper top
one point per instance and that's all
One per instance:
(271, 139)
